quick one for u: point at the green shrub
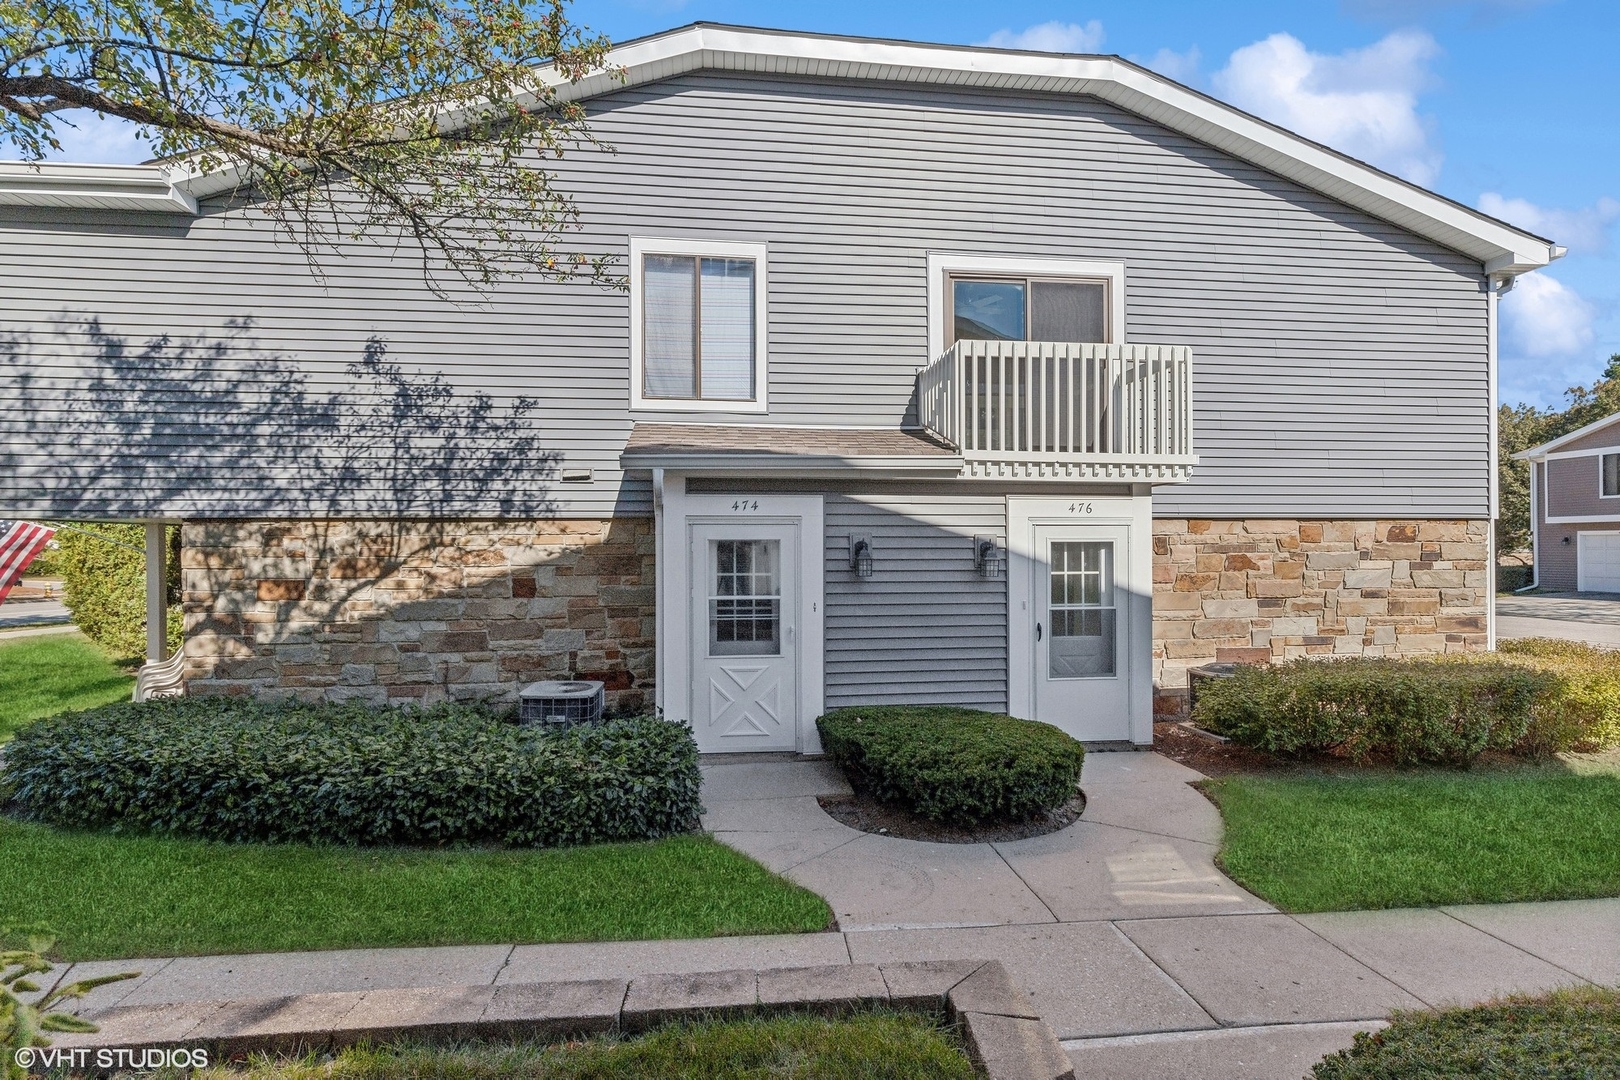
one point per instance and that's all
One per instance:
(1582, 711)
(104, 585)
(230, 769)
(1407, 710)
(950, 764)
(1568, 1033)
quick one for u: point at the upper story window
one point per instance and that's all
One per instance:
(1013, 298)
(1028, 309)
(697, 325)
(1609, 470)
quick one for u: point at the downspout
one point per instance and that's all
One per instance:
(659, 577)
(157, 593)
(1495, 286)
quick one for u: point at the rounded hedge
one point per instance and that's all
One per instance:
(233, 769)
(1408, 711)
(951, 764)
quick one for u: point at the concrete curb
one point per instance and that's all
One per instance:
(1004, 1036)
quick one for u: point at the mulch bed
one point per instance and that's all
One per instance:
(869, 815)
(1210, 757)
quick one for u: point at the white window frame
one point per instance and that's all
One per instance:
(943, 265)
(1600, 456)
(641, 246)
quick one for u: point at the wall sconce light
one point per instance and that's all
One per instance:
(1566, 539)
(989, 557)
(860, 556)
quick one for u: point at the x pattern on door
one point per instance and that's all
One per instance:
(745, 699)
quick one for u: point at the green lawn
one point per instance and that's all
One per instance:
(1336, 842)
(110, 896)
(1566, 1035)
(42, 676)
(880, 1045)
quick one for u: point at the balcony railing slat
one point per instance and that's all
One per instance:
(1029, 402)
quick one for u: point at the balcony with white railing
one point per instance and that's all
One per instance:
(1059, 410)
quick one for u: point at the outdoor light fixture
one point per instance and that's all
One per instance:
(860, 556)
(989, 557)
(1566, 539)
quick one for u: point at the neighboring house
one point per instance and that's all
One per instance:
(1575, 509)
(1018, 381)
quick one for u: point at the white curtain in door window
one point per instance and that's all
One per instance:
(669, 330)
(727, 329)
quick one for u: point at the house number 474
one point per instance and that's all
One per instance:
(742, 505)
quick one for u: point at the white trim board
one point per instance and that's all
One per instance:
(698, 247)
(1136, 514)
(674, 590)
(1498, 246)
(941, 263)
(1589, 519)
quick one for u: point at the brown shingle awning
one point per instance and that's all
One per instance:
(787, 450)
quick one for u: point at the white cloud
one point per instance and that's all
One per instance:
(1182, 67)
(1582, 231)
(1544, 317)
(98, 139)
(1050, 37)
(1362, 102)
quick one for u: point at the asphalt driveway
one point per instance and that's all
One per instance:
(1590, 617)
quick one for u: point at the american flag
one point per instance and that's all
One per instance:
(20, 542)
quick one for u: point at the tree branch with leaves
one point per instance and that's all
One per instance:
(422, 122)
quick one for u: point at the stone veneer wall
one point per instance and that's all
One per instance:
(418, 611)
(1263, 591)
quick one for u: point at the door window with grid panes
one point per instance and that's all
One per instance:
(745, 607)
(1082, 640)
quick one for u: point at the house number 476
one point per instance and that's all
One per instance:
(1080, 508)
(742, 505)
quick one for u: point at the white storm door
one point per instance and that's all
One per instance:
(744, 636)
(1081, 641)
(1597, 562)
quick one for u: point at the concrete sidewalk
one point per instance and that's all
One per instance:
(1129, 941)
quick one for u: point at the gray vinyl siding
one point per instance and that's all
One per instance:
(925, 628)
(1340, 362)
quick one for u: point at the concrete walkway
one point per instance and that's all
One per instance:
(1590, 617)
(1129, 941)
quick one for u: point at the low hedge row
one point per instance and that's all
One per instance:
(951, 764)
(1534, 697)
(230, 769)
(1410, 711)
(1582, 711)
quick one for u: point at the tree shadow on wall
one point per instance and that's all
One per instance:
(99, 426)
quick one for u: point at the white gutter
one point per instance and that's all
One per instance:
(141, 188)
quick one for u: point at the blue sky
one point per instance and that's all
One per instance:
(1507, 105)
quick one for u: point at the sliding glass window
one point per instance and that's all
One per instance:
(1028, 309)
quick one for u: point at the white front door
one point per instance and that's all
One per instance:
(1082, 630)
(744, 636)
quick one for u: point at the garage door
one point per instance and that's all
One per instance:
(1598, 566)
